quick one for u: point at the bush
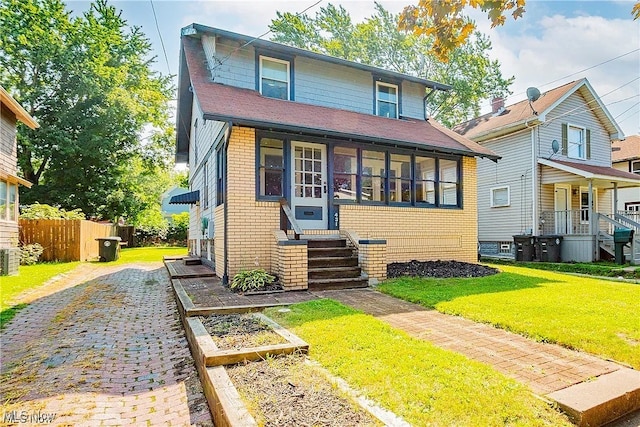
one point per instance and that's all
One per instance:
(43, 211)
(30, 254)
(178, 229)
(251, 280)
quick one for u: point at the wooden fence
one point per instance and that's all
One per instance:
(65, 240)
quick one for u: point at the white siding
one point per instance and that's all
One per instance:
(575, 110)
(514, 170)
(231, 66)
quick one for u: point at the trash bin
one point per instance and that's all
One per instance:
(621, 236)
(548, 248)
(524, 247)
(109, 248)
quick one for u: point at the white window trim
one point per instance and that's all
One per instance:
(501, 187)
(378, 100)
(584, 141)
(585, 190)
(288, 81)
(633, 163)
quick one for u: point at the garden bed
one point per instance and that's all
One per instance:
(236, 331)
(440, 269)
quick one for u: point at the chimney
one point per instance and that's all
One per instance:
(497, 105)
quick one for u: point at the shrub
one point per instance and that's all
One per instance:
(178, 228)
(43, 211)
(251, 280)
(30, 254)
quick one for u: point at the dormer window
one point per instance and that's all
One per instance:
(387, 100)
(274, 78)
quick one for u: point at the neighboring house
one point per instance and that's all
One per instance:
(555, 176)
(170, 209)
(11, 114)
(346, 149)
(626, 157)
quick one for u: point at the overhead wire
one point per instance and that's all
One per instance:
(164, 50)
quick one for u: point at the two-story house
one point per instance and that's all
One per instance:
(11, 112)
(626, 157)
(318, 169)
(555, 176)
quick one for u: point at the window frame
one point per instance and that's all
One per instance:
(634, 164)
(492, 198)
(8, 214)
(583, 145)
(378, 100)
(205, 184)
(262, 58)
(284, 182)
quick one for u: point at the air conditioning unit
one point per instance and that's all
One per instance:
(9, 261)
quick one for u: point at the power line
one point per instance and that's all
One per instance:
(155, 17)
(634, 105)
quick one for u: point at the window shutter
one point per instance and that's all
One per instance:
(588, 138)
(565, 144)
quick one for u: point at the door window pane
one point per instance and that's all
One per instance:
(400, 178)
(345, 173)
(373, 176)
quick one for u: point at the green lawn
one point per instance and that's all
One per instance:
(147, 254)
(422, 383)
(30, 277)
(594, 315)
(600, 268)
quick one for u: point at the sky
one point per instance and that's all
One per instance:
(556, 42)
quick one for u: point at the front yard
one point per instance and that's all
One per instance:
(593, 315)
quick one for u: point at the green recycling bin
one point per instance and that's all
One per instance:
(548, 248)
(109, 248)
(621, 236)
(524, 247)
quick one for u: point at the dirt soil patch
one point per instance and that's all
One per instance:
(438, 269)
(286, 391)
(235, 331)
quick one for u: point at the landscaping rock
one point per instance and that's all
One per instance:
(438, 269)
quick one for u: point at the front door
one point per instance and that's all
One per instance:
(309, 179)
(562, 209)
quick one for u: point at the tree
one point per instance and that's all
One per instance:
(88, 82)
(378, 41)
(450, 28)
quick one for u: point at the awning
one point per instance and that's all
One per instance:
(186, 198)
(580, 174)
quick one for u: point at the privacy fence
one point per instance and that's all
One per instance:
(65, 240)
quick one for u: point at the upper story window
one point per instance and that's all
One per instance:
(274, 78)
(386, 100)
(576, 142)
(635, 167)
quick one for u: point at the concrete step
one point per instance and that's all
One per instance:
(332, 262)
(329, 252)
(326, 284)
(327, 243)
(605, 399)
(334, 272)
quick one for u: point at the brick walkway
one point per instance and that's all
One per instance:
(543, 367)
(101, 346)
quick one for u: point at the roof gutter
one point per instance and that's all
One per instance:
(352, 137)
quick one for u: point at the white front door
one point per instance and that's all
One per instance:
(562, 208)
(309, 185)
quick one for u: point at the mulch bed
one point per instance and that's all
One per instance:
(285, 391)
(438, 269)
(235, 331)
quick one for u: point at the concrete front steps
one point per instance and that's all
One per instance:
(333, 265)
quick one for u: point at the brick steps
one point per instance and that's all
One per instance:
(333, 265)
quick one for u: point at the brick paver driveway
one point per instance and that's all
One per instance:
(102, 346)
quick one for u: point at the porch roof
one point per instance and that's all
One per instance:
(602, 176)
(246, 107)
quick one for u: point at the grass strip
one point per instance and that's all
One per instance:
(594, 315)
(422, 383)
(603, 269)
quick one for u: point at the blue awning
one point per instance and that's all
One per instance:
(186, 198)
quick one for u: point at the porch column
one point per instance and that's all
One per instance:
(615, 198)
(592, 223)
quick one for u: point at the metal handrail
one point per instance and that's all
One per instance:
(287, 217)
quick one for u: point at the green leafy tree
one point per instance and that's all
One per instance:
(378, 41)
(87, 80)
(450, 28)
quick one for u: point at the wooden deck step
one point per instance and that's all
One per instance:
(346, 283)
(178, 270)
(334, 272)
(329, 252)
(192, 261)
(351, 261)
(327, 243)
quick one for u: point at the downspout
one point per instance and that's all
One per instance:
(225, 148)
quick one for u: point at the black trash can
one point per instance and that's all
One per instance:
(524, 247)
(548, 248)
(109, 248)
(621, 236)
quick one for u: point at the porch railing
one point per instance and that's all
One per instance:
(287, 217)
(566, 222)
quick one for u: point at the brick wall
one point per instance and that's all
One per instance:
(290, 262)
(421, 233)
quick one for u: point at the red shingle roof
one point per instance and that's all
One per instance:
(629, 149)
(249, 108)
(600, 170)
